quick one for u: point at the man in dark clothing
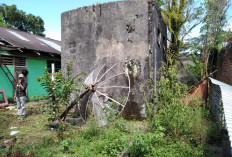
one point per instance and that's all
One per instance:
(20, 96)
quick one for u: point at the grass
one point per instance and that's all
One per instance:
(31, 129)
(135, 137)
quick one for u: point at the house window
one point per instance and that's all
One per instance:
(7, 60)
(13, 60)
(20, 61)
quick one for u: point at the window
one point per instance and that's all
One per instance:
(6, 60)
(13, 60)
(20, 61)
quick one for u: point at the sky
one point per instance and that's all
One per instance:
(196, 31)
(50, 11)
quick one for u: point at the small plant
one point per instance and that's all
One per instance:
(64, 145)
(164, 113)
(69, 85)
(91, 130)
(60, 88)
(142, 144)
(46, 141)
(53, 88)
(196, 67)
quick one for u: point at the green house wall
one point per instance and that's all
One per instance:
(4, 52)
(5, 84)
(35, 69)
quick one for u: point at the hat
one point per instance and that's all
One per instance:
(21, 75)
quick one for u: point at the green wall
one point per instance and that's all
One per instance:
(4, 52)
(35, 69)
(5, 83)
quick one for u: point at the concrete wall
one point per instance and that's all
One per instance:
(35, 69)
(114, 32)
(224, 65)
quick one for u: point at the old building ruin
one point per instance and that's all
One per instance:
(224, 64)
(115, 32)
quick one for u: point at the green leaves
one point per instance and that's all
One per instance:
(1, 20)
(13, 18)
(196, 67)
(213, 34)
(64, 145)
(60, 89)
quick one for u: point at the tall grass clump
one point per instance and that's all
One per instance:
(183, 128)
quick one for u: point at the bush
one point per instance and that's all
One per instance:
(59, 89)
(183, 125)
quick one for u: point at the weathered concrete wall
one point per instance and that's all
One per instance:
(224, 64)
(114, 32)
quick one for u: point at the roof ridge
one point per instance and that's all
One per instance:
(29, 33)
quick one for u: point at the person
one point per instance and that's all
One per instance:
(20, 96)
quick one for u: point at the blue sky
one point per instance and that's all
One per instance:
(50, 11)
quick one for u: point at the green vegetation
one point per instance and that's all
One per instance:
(181, 17)
(196, 67)
(213, 32)
(136, 138)
(171, 129)
(59, 89)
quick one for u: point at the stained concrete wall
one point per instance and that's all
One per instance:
(224, 64)
(114, 32)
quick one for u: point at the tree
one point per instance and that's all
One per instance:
(18, 19)
(1, 20)
(213, 34)
(181, 17)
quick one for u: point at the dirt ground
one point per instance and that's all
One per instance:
(27, 130)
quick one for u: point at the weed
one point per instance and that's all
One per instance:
(183, 125)
(91, 130)
(59, 88)
(64, 145)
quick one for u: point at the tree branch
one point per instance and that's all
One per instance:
(196, 24)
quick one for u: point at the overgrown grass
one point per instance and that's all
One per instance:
(137, 138)
(172, 129)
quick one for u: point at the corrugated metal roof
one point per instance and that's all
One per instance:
(24, 40)
(225, 95)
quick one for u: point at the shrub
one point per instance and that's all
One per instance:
(60, 88)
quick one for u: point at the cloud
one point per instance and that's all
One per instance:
(229, 26)
(195, 33)
(56, 34)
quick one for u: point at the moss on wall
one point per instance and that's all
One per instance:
(6, 84)
(35, 69)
